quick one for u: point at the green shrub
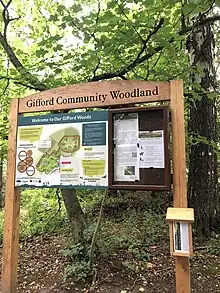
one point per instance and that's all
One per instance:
(78, 256)
(214, 245)
(78, 270)
(134, 233)
(39, 212)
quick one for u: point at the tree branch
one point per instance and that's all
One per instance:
(92, 247)
(138, 60)
(15, 81)
(200, 23)
(142, 56)
(33, 80)
(122, 11)
(207, 20)
(19, 66)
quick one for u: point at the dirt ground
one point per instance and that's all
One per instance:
(41, 269)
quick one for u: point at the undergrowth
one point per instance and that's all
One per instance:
(126, 235)
(131, 224)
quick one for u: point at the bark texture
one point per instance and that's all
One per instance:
(203, 176)
(75, 214)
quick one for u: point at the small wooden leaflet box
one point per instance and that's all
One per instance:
(180, 226)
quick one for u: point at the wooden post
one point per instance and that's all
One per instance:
(179, 175)
(12, 210)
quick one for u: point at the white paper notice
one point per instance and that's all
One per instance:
(151, 149)
(181, 236)
(126, 163)
(126, 129)
(126, 156)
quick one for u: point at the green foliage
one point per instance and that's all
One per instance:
(78, 266)
(39, 212)
(77, 255)
(214, 245)
(131, 236)
(134, 233)
(1, 225)
(78, 270)
(3, 127)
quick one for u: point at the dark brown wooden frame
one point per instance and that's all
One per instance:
(166, 173)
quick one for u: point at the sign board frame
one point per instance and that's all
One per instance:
(99, 95)
(149, 119)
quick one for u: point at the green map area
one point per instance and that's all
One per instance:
(63, 142)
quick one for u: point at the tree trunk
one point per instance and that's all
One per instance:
(75, 214)
(203, 176)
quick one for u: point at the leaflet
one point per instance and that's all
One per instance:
(151, 149)
(126, 129)
(181, 232)
(126, 161)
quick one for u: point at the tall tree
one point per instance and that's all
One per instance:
(73, 208)
(203, 167)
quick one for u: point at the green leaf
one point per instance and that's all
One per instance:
(41, 52)
(58, 70)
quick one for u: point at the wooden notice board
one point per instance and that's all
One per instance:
(104, 95)
(151, 121)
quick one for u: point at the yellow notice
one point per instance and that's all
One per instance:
(30, 133)
(93, 168)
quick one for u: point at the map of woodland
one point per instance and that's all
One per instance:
(64, 142)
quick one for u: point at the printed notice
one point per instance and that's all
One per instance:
(151, 149)
(126, 160)
(181, 236)
(126, 163)
(126, 129)
(60, 150)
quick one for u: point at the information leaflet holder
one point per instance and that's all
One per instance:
(139, 156)
(180, 226)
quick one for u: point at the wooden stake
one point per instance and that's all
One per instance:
(12, 210)
(179, 175)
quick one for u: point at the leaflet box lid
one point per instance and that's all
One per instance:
(180, 215)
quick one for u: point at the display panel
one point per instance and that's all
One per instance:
(139, 148)
(63, 150)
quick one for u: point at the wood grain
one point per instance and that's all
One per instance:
(160, 91)
(179, 175)
(12, 210)
(178, 132)
(180, 215)
(171, 238)
(190, 240)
